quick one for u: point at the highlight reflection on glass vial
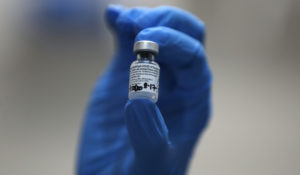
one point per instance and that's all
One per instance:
(144, 72)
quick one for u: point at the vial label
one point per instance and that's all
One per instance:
(144, 77)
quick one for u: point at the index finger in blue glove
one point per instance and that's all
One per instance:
(112, 13)
(135, 19)
(124, 19)
(183, 54)
(174, 18)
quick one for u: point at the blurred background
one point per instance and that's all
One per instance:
(52, 51)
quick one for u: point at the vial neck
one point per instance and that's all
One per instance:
(145, 56)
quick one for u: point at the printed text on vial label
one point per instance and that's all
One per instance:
(144, 77)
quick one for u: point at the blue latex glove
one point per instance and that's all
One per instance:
(145, 138)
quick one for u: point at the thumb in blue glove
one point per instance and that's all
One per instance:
(148, 135)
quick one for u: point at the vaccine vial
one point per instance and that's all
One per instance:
(144, 72)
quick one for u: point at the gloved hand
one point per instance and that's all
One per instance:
(139, 137)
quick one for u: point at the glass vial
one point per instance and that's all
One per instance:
(144, 72)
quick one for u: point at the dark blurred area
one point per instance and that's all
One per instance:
(52, 51)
